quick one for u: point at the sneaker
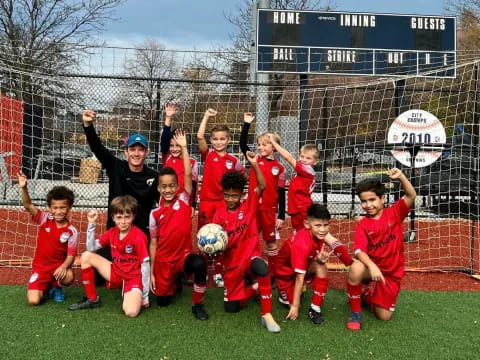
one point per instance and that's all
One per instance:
(315, 316)
(218, 280)
(284, 302)
(199, 311)
(56, 294)
(85, 303)
(271, 325)
(354, 322)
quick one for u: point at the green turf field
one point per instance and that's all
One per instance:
(427, 325)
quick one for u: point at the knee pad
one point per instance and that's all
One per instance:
(164, 300)
(259, 267)
(232, 306)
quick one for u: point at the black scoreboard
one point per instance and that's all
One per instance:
(347, 43)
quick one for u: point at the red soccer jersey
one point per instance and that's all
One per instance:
(242, 232)
(172, 226)
(275, 177)
(382, 239)
(297, 253)
(301, 188)
(177, 165)
(128, 253)
(54, 243)
(215, 166)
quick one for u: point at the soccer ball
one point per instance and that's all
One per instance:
(212, 239)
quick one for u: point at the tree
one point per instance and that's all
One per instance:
(38, 38)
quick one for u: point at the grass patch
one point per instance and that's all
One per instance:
(427, 325)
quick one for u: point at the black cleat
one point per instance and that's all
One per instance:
(199, 311)
(315, 316)
(85, 303)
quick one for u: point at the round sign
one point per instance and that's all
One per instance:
(421, 128)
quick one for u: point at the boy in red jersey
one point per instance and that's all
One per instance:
(302, 185)
(171, 252)
(242, 255)
(378, 245)
(303, 255)
(56, 243)
(216, 163)
(271, 211)
(130, 269)
(172, 154)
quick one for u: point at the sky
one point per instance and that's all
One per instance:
(201, 24)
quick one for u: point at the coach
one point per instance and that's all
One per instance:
(126, 177)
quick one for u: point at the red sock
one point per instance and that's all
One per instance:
(272, 257)
(198, 293)
(265, 291)
(319, 290)
(88, 281)
(355, 297)
(342, 253)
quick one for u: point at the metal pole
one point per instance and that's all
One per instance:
(158, 117)
(262, 108)
(324, 145)
(476, 171)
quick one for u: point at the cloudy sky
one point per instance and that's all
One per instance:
(200, 24)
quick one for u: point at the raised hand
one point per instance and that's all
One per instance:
(394, 173)
(211, 112)
(92, 216)
(251, 157)
(248, 117)
(170, 110)
(180, 138)
(88, 117)
(22, 180)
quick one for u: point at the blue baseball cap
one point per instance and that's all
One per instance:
(137, 139)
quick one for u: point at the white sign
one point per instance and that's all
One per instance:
(421, 128)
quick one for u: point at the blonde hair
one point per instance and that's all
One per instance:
(265, 134)
(311, 147)
(123, 204)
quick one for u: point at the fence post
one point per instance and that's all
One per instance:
(476, 171)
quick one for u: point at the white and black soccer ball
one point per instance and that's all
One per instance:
(212, 239)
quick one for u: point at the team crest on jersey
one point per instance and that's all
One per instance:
(33, 278)
(275, 170)
(128, 249)
(150, 181)
(229, 164)
(240, 215)
(47, 229)
(64, 237)
(176, 206)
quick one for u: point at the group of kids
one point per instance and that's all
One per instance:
(152, 253)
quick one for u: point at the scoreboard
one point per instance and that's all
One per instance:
(348, 43)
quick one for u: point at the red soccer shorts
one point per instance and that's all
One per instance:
(234, 280)
(206, 210)
(118, 281)
(266, 224)
(164, 273)
(377, 293)
(41, 280)
(298, 220)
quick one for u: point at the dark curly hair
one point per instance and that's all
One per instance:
(60, 193)
(167, 171)
(233, 180)
(318, 211)
(371, 184)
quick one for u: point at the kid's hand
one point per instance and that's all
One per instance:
(293, 313)
(211, 112)
(394, 173)
(60, 272)
(279, 224)
(180, 138)
(375, 273)
(152, 283)
(323, 255)
(88, 117)
(271, 138)
(22, 180)
(251, 157)
(92, 216)
(145, 303)
(170, 110)
(248, 117)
